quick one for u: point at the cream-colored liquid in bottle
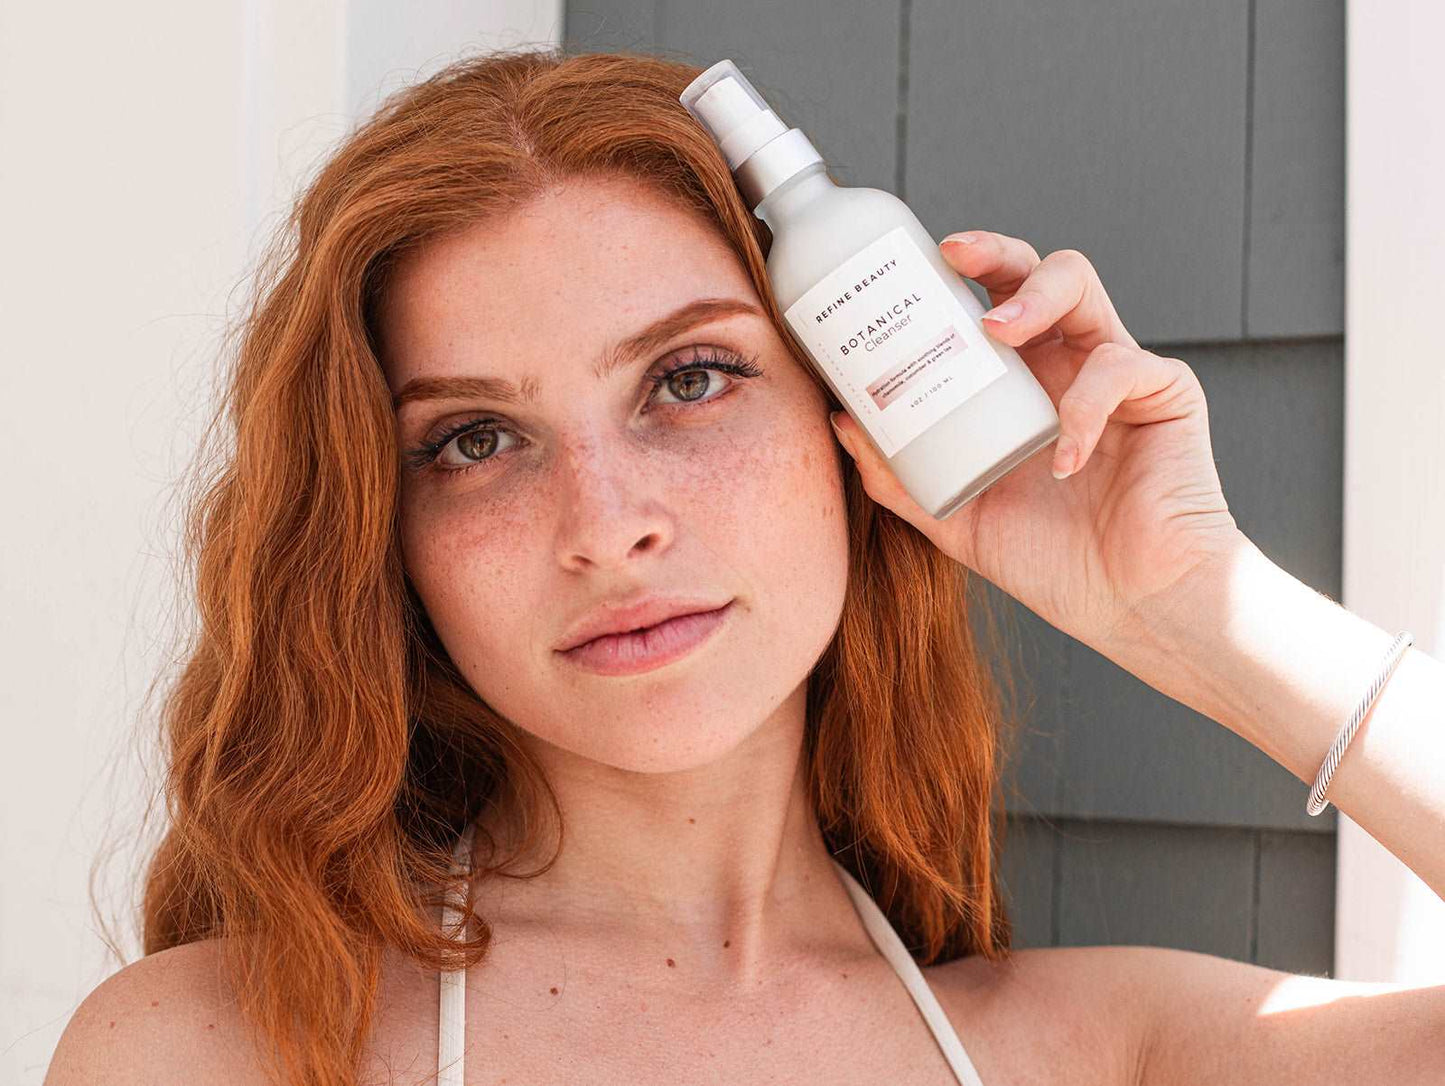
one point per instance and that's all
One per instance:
(892, 329)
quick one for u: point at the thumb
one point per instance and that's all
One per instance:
(878, 479)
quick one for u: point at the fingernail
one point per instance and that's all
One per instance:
(961, 239)
(1066, 457)
(1002, 314)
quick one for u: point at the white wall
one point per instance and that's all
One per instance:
(1388, 924)
(144, 150)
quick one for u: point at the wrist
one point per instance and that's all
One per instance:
(1161, 633)
(1245, 643)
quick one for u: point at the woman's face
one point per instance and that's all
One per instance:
(599, 487)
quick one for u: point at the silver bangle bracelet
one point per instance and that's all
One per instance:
(1317, 802)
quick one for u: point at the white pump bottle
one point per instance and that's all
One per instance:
(891, 328)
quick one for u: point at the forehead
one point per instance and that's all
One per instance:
(583, 265)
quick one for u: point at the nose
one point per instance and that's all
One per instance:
(613, 507)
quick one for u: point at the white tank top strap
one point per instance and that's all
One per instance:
(453, 1011)
(892, 948)
(452, 1023)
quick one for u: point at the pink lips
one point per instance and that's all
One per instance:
(648, 648)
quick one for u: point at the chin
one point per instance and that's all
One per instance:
(650, 734)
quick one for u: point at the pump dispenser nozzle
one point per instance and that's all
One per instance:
(732, 111)
(761, 151)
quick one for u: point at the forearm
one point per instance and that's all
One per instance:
(1284, 666)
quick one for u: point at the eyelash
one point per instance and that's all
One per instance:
(720, 360)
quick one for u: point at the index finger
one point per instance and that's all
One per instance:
(997, 262)
(1062, 291)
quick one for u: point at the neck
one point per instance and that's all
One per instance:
(721, 868)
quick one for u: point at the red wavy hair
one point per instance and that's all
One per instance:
(322, 753)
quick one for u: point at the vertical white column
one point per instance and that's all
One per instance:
(1388, 924)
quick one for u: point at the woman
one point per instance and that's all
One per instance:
(521, 383)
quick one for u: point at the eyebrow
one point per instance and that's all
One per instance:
(652, 338)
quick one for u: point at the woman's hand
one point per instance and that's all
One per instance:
(1142, 508)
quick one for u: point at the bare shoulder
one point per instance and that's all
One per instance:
(1041, 1009)
(167, 1017)
(1209, 1019)
(1148, 1015)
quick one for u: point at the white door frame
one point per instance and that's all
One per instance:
(1388, 924)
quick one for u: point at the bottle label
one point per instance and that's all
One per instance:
(899, 347)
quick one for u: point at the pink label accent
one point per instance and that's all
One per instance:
(897, 381)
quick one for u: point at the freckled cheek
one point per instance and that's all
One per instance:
(723, 459)
(779, 512)
(770, 461)
(801, 486)
(450, 541)
(795, 458)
